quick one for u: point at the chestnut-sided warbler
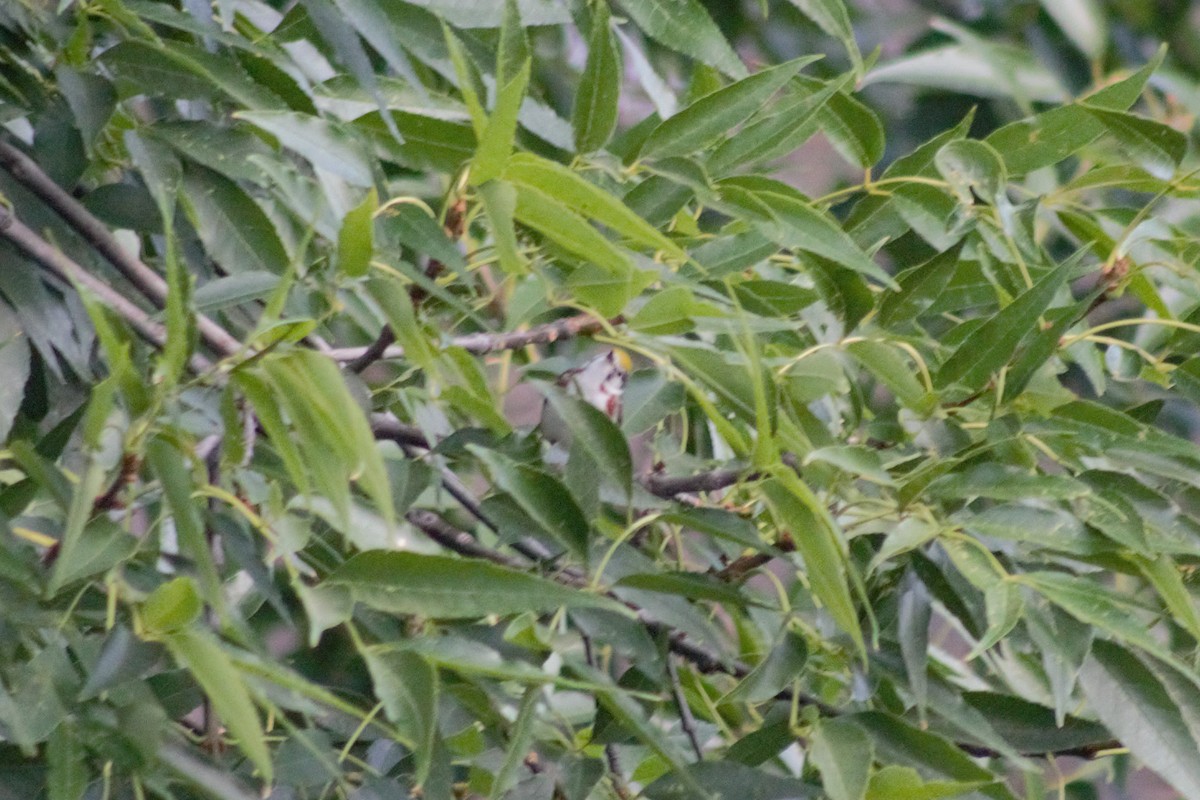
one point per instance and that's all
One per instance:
(600, 382)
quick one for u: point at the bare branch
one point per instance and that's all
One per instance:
(66, 270)
(667, 487)
(482, 343)
(96, 233)
(686, 720)
(374, 352)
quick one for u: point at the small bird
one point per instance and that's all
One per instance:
(600, 381)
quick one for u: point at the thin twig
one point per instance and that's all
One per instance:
(714, 480)
(686, 720)
(610, 750)
(483, 343)
(374, 352)
(96, 234)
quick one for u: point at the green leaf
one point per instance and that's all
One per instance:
(200, 654)
(232, 290)
(605, 292)
(568, 188)
(496, 140)
(356, 239)
(667, 312)
(791, 122)
(500, 204)
(175, 477)
(1093, 604)
(971, 166)
(1083, 22)
(919, 288)
(890, 365)
(684, 26)
(1164, 574)
(520, 737)
(569, 230)
(726, 779)
(708, 118)
(443, 587)
(171, 607)
(95, 552)
(786, 217)
(236, 232)
(598, 435)
(795, 508)
(1054, 135)
(782, 666)
(594, 116)
(892, 781)
(1136, 707)
(831, 16)
(967, 69)
(843, 754)
(853, 129)
(67, 774)
(407, 685)
(897, 742)
(541, 496)
(177, 70)
(857, 461)
(324, 143)
(990, 346)
(1004, 610)
(685, 584)
(1160, 147)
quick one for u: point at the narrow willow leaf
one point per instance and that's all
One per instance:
(356, 239)
(542, 497)
(993, 343)
(795, 508)
(1133, 704)
(593, 430)
(324, 143)
(568, 188)
(520, 736)
(407, 685)
(500, 205)
(236, 232)
(1159, 146)
(897, 742)
(543, 213)
(1054, 135)
(1093, 604)
(831, 16)
(1083, 22)
(786, 216)
(448, 588)
(971, 166)
(496, 141)
(843, 753)
(711, 116)
(168, 464)
(594, 116)
(200, 654)
(685, 26)
(171, 607)
(67, 773)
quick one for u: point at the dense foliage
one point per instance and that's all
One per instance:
(903, 501)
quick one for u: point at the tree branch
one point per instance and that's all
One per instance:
(66, 270)
(483, 343)
(668, 487)
(96, 234)
(701, 658)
